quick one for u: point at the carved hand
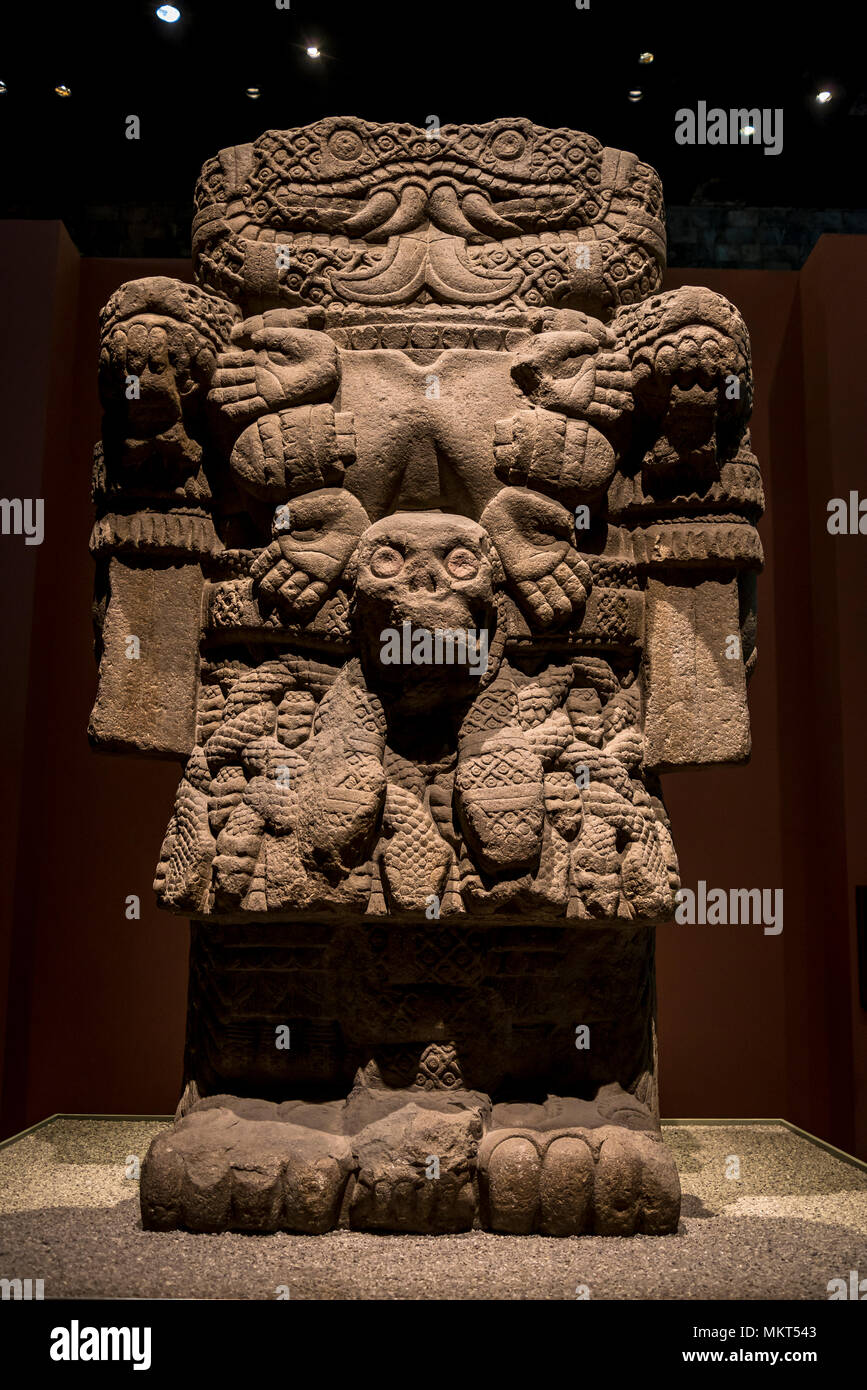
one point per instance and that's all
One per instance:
(580, 373)
(535, 541)
(274, 362)
(315, 536)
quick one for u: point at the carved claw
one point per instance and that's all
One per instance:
(374, 212)
(408, 214)
(481, 211)
(448, 214)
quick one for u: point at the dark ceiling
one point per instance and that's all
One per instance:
(548, 60)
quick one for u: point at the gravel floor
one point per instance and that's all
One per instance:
(794, 1219)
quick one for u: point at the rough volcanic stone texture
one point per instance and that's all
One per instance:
(425, 539)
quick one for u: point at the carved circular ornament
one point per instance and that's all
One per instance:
(345, 144)
(509, 144)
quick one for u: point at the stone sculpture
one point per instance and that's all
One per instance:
(426, 542)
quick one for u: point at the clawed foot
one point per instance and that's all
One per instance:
(414, 1161)
(218, 1171)
(394, 1161)
(570, 1182)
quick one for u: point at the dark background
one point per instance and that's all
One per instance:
(93, 1002)
(463, 62)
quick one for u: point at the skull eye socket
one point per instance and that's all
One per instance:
(386, 561)
(462, 563)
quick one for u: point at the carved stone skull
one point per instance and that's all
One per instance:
(416, 573)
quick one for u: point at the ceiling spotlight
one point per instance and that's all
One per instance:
(645, 58)
(63, 90)
(823, 96)
(312, 51)
(2, 88)
(168, 14)
(748, 130)
(636, 94)
(253, 93)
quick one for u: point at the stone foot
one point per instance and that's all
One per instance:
(383, 1160)
(414, 1161)
(416, 1171)
(604, 1181)
(218, 1170)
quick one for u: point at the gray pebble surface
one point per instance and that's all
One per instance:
(794, 1219)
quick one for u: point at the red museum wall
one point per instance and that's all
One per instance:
(750, 1025)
